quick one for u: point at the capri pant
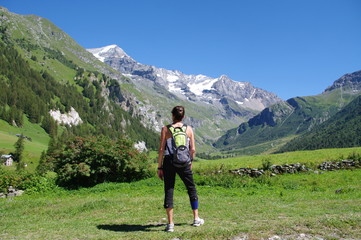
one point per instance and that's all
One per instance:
(186, 174)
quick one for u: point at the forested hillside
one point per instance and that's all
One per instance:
(341, 131)
(26, 90)
(292, 117)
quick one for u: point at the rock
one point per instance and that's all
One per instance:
(245, 237)
(338, 191)
(70, 118)
(19, 192)
(336, 165)
(12, 192)
(141, 146)
(275, 238)
(296, 168)
(10, 195)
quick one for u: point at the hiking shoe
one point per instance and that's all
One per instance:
(198, 222)
(169, 228)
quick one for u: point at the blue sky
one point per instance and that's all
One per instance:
(289, 47)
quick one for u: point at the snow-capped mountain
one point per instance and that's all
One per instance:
(216, 91)
(214, 105)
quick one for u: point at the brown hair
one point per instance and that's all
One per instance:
(178, 113)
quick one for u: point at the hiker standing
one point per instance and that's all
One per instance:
(176, 153)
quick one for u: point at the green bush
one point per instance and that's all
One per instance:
(266, 164)
(39, 184)
(11, 178)
(85, 162)
(22, 180)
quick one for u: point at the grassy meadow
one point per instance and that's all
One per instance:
(32, 149)
(289, 206)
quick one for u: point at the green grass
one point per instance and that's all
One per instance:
(262, 148)
(285, 205)
(33, 149)
(309, 157)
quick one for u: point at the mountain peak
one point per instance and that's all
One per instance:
(351, 81)
(189, 87)
(112, 50)
(224, 77)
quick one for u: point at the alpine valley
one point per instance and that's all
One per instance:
(308, 117)
(111, 82)
(52, 84)
(213, 105)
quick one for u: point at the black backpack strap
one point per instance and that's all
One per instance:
(185, 125)
(166, 144)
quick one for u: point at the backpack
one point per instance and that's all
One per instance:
(180, 146)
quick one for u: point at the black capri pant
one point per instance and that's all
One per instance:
(169, 174)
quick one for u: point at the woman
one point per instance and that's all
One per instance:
(167, 172)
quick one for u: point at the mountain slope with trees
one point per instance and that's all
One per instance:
(292, 117)
(48, 49)
(37, 77)
(340, 131)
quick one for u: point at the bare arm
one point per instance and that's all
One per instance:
(161, 151)
(191, 142)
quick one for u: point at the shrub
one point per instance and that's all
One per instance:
(10, 178)
(266, 164)
(38, 184)
(355, 156)
(88, 161)
(23, 180)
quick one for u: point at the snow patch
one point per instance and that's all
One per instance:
(70, 118)
(101, 53)
(99, 57)
(172, 78)
(254, 91)
(173, 88)
(198, 87)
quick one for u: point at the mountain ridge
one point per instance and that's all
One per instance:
(340, 131)
(213, 105)
(65, 76)
(147, 93)
(190, 87)
(293, 117)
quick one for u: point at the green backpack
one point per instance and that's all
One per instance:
(180, 146)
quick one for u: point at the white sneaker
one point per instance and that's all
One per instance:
(198, 222)
(169, 228)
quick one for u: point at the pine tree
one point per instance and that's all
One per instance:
(19, 149)
(43, 166)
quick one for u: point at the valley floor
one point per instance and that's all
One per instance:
(308, 205)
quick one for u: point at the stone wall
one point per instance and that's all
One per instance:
(297, 167)
(337, 165)
(12, 192)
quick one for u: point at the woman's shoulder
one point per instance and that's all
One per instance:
(189, 130)
(165, 130)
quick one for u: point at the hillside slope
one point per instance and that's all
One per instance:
(292, 117)
(340, 131)
(42, 69)
(213, 105)
(48, 49)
